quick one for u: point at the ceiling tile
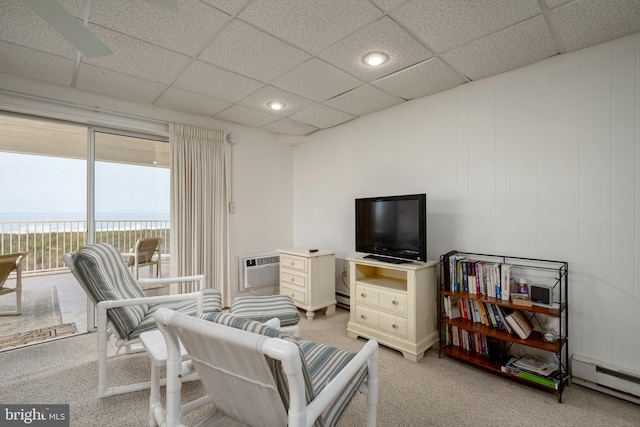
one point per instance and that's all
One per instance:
(384, 36)
(111, 83)
(189, 102)
(259, 99)
(289, 127)
(229, 6)
(186, 30)
(34, 64)
(389, 5)
(363, 100)
(312, 25)
(516, 46)
(422, 79)
(25, 28)
(246, 116)
(583, 23)
(250, 52)
(443, 25)
(321, 116)
(316, 80)
(213, 81)
(137, 58)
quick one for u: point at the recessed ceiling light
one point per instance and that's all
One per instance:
(375, 58)
(276, 105)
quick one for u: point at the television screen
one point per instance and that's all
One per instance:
(392, 226)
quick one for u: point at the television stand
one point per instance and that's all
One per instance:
(387, 259)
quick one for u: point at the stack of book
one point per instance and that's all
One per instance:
(519, 324)
(478, 277)
(533, 368)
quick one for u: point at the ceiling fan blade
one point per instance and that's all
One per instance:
(167, 4)
(69, 27)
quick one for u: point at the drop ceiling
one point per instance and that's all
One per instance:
(227, 59)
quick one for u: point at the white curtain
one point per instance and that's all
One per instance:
(199, 229)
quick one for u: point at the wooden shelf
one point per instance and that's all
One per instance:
(535, 339)
(495, 366)
(498, 342)
(554, 311)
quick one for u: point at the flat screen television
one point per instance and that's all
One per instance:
(392, 226)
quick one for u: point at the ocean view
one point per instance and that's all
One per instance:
(81, 216)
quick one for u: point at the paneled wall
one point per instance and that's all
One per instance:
(540, 162)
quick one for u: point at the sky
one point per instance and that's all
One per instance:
(50, 185)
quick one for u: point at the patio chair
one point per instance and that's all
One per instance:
(123, 310)
(9, 263)
(146, 252)
(259, 376)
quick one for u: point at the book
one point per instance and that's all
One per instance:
(523, 321)
(515, 327)
(505, 281)
(511, 369)
(521, 299)
(451, 307)
(536, 365)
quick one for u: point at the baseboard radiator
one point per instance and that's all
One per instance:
(606, 378)
(258, 270)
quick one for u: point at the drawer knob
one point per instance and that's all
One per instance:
(293, 279)
(394, 302)
(293, 263)
(292, 295)
(363, 316)
(363, 295)
(394, 326)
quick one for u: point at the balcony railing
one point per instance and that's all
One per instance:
(47, 241)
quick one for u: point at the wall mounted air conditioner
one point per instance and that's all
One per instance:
(258, 270)
(618, 382)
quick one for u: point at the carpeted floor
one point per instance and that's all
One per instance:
(40, 309)
(434, 392)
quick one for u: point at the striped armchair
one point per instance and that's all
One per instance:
(123, 309)
(260, 376)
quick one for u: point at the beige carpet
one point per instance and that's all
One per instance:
(40, 309)
(433, 392)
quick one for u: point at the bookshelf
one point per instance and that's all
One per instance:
(474, 300)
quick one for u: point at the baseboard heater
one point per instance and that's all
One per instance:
(606, 378)
(343, 300)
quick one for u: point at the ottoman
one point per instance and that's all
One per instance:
(264, 308)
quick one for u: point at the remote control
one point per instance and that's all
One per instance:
(313, 250)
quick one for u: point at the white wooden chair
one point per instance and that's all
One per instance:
(123, 310)
(259, 376)
(9, 263)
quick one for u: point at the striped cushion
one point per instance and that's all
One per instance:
(212, 303)
(263, 308)
(106, 277)
(320, 364)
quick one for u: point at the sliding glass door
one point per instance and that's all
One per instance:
(66, 185)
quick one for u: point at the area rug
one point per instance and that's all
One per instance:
(23, 338)
(40, 309)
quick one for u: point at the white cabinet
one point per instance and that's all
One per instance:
(309, 279)
(395, 304)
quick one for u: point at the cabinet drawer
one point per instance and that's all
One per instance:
(293, 277)
(296, 294)
(367, 316)
(392, 324)
(293, 262)
(396, 302)
(367, 295)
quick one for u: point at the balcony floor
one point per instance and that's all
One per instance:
(40, 313)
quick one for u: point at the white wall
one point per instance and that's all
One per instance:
(541, 162)
(262, 162)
